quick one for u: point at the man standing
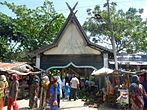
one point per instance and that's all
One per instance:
(44, 87)
(13, 91)
(34, 92)
(74, 83)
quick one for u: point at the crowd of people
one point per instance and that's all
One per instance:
(53, 88)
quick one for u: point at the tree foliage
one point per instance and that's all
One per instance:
(30, 29)
(129, 29)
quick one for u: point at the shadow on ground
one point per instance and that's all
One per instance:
(72, 107)
(26, 108)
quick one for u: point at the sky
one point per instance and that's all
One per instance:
(83, 5)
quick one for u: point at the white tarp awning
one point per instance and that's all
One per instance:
(102, 72)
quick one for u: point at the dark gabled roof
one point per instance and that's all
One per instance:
(71, 19)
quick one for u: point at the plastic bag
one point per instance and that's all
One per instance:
(55, 103)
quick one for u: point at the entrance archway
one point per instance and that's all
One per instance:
(71, 68)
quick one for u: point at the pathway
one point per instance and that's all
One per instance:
(66, 105)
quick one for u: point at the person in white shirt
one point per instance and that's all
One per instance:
(74, 83)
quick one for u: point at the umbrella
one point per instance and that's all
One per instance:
(102, 72)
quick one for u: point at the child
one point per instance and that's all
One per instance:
(67, 91)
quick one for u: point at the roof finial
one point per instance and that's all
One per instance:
(71, 9)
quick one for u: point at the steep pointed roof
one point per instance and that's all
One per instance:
(71, 19)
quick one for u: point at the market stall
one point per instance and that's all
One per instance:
(24, 71)
(123, 99)
(110, 91)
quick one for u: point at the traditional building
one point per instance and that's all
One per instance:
(72, 50)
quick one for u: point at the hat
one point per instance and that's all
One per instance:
(2, 78)
(133, 87)
(45, 78)
(135, 79)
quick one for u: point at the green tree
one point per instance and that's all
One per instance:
(129, 29)
(6, 50)
(31, 28)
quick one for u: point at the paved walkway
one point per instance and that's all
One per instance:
(66, 105)
(75, 105)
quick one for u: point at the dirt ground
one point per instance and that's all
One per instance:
(66, 105)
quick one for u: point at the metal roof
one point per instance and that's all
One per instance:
(131, 59)
(11, 64)
(129, 62)
(20, 68)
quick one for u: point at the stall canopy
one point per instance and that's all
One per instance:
(20, 68)
(102, 72)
